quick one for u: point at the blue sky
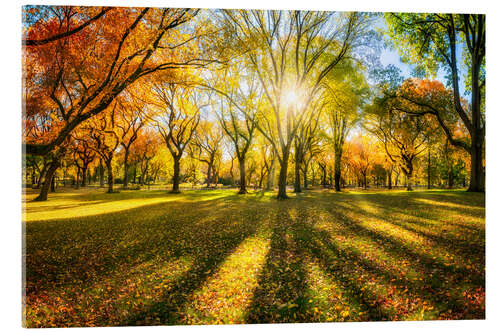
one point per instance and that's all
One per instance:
(390, 56)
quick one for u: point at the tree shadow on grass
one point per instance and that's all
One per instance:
(80, 254)
(469, 241)
(438, 279)
(281, 293)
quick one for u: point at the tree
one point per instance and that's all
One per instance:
(238, 115)
(177, 119)
(145, 150)
(306, 135)
(83, 156)
(431, 41)
(131, 118)
(207, 147)
(363, 156)
(345, 90)
(104, 139)
(291, 52)
(404, 136)
(83, 72)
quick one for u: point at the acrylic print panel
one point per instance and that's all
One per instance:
(215, 166)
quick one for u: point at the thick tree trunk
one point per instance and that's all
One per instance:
(42, 175)
(176, 177)
(450, 177)
(33, 178)
(337, 171)
(84, 176)
(243, 181)
(111, 180)
(365, 185)
(49, 174)
(477, 176)
(304, 175)
(209, 175)
(323, 178)
(389, 180)
(282, 177)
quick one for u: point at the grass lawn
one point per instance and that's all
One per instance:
(212, 257)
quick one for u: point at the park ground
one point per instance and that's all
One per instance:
(213, 257)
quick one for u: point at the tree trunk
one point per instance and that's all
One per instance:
(176, 177)
(364, 181)
(84, 175)
(304, 175)
(389, 180)
(296, 185)
(125, 169)
(209, 174)
(111, 180)
(323, 178)
(42, 175)
(33, 180)
(49, 174)
(271, 175)
(101, 174)
(450, 176)
(282, 177)
(337, 171)
(78, 172)
(477, 176)
(428, 169)
(408, 182)
(243, 181)
(53, 184)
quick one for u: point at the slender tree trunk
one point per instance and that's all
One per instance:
(53, 184)
(428, 169)
(101, 174)
(365, 186)
(231, 173)
(323, 178)
(243, 181)
(389, 180)
(125, 169)
(296, 185)
(176, 178)
(271, 175)
(78, 172)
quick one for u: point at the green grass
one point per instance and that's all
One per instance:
(210, 257)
